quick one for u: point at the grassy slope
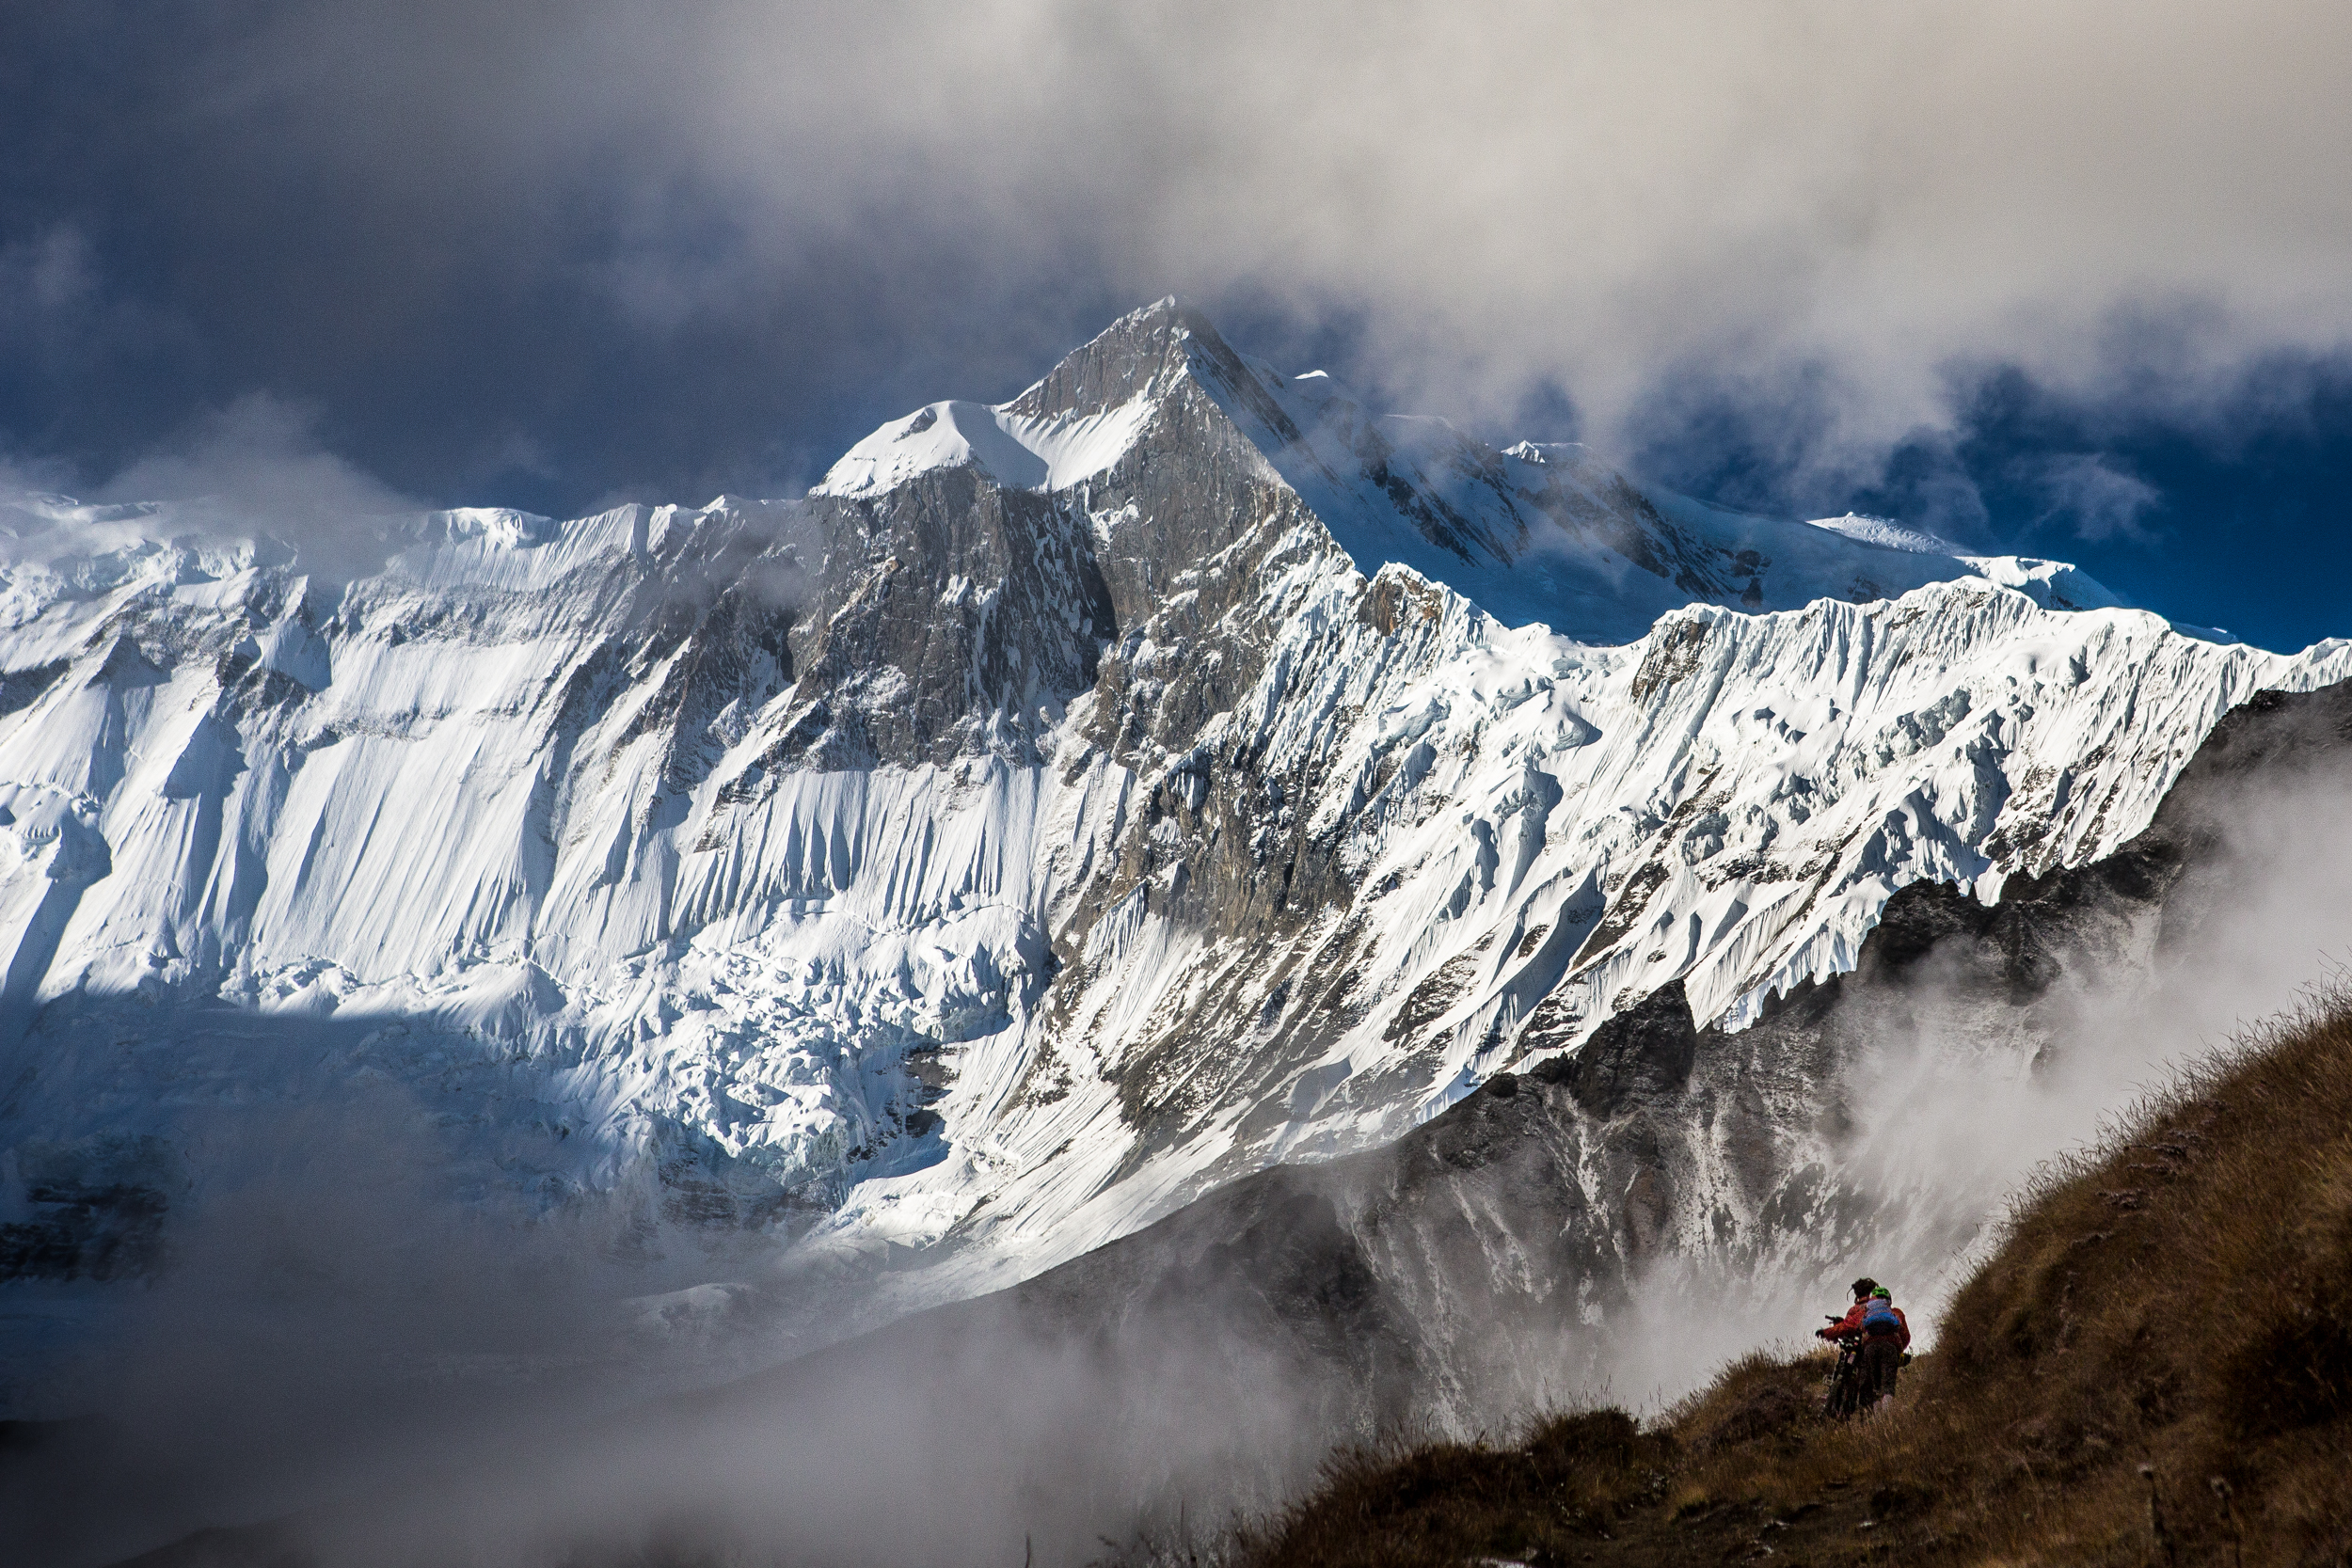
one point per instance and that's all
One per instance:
(2155, 1367)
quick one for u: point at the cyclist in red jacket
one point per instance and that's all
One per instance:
(1852, 1322)
(1885, 1334)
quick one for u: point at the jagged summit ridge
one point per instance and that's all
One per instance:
(1536, 531)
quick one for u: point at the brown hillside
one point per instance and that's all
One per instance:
(2155, 1367)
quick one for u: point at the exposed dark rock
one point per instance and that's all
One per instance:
(93, 1210)
(20, 687)
(1643, 1054)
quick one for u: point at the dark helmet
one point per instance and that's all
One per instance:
(1864, 1286)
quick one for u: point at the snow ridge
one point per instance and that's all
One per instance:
(1066, 806)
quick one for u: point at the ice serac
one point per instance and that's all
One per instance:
(1066, 807)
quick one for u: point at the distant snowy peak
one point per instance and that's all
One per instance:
(2051, 584)
(1555, 533)
(1886, 533)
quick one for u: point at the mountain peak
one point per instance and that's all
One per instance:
(1534, 533)
(1075, 422)
(1142, 354)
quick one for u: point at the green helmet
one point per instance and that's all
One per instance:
(1883, 1293)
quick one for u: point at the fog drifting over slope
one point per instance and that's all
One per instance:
(1953, 1114)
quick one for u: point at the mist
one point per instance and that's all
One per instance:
(365, 1346)
(1957, 1108)
(251, 478)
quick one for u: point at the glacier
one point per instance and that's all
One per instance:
(1065, 808)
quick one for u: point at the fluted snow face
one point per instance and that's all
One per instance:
(1069, 805)
(1534, 833)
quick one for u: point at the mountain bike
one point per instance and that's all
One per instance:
(1844, 1398)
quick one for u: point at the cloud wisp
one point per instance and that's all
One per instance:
(2086, 493)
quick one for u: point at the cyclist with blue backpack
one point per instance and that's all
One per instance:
(1876, 1327)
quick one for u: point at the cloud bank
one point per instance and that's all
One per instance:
(520, 237)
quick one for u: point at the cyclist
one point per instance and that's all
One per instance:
(1846, 1379)
(1882, 1332)
(1840, 1328)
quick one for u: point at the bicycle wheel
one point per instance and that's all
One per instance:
(1843, 1394)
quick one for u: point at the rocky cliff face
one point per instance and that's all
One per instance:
(1610, 1214)
(1065, 808)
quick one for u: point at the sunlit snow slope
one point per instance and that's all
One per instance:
(1067, 805)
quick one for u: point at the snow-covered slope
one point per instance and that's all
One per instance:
(1066, 806)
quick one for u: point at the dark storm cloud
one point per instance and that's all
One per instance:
(547, 253)
(481, 241)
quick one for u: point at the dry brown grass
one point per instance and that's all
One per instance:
(2155, 1367)
(1565, 1484)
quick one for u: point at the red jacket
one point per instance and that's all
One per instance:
(1850, 1326)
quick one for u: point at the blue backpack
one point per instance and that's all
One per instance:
(1879, 1318)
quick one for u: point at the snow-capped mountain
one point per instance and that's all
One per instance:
(1065, 807)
